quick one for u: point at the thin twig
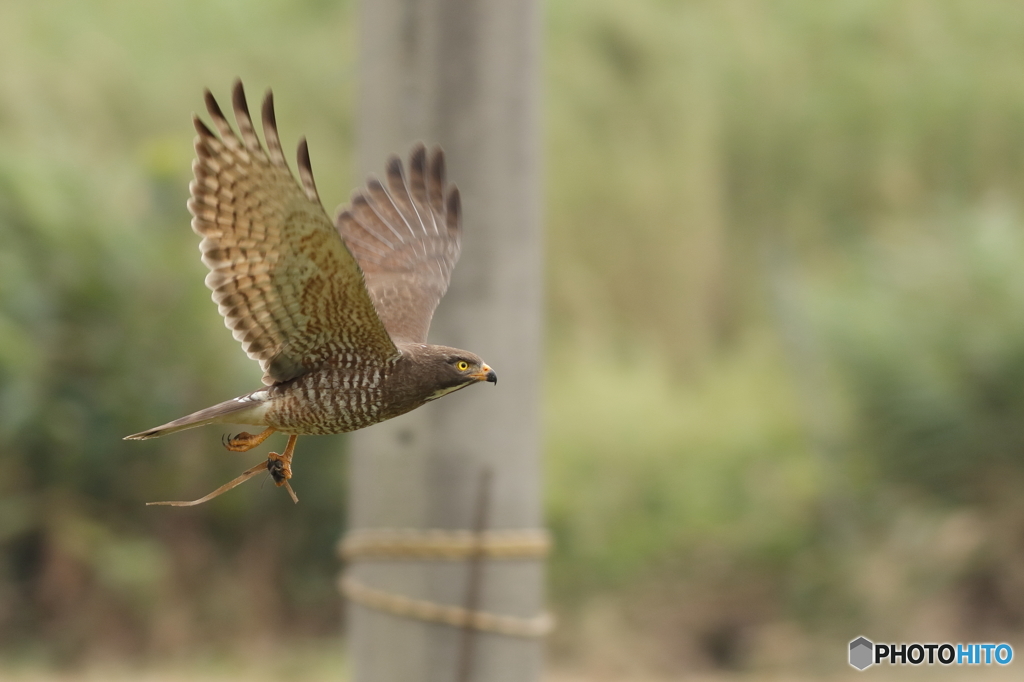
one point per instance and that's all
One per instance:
(242, 478)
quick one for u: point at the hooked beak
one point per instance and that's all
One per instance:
(485, 374)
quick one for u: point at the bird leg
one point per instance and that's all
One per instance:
(280, 467)
(245, 441)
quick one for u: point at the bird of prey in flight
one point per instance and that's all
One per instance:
(336, 313)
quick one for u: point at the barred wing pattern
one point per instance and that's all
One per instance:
(406, 239)
(287, 286)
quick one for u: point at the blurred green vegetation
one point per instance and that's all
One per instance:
(785, 296)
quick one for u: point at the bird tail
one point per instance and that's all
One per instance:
(218, 414)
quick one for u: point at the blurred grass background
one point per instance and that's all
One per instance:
(785, 352)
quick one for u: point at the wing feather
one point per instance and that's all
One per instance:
(406, 238)
(289, 289)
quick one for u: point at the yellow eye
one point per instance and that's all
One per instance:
(462, 365)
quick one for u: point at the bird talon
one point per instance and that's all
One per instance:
(280, 469)
(245, 441)
(280, 466)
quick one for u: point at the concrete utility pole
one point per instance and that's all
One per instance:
(465, 74)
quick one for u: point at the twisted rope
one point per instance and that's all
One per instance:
(433, 544)
(444, 545)
(456, 616)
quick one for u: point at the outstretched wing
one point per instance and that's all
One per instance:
(406, 239)
(287, 286)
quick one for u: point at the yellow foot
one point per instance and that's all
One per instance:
(280, 467)
(245, 441)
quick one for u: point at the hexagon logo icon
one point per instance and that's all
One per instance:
(861, 650)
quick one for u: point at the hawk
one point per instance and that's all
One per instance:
(335, 313)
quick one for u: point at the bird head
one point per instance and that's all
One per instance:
(445, 369)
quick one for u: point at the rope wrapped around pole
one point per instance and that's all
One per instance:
(435, 544)
(443, 545)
